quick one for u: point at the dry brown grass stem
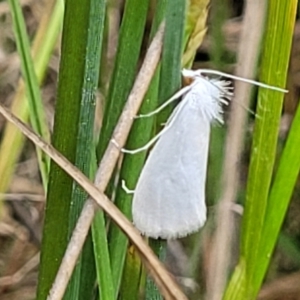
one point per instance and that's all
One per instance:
(248, 54)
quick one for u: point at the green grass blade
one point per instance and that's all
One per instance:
(132, 275)
(37, 115)
(12, 139)
(280, 195)
(274, 71)
(102, 259)
(82, 281)
(131, 33)
(159, 247)
(258, 208)
(170, 81)
(47, 38)
(101, 253)
(236, 289)
(69, 101)
(129, 46)
(170, 76)
(132, 164)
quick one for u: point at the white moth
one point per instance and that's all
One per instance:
(169, 199)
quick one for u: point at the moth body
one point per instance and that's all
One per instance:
(169, 199)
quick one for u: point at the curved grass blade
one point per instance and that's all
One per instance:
(278, 200)
(42, 46)
(37, 114)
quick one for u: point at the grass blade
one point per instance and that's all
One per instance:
(131, 33)
(170, 81)
(170, 78)
(280, 195)
(132, 275)
(131, 166)
(257, 207)
(37, 115)
(44, 41)
(82, 282)
(59, 198)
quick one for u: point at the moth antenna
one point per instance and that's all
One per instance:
(264, 85)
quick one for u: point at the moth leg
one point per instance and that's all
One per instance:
(145, 147)
(160, 108)
(115, 143)
(125, 188)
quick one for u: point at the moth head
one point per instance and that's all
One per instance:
(188, 76)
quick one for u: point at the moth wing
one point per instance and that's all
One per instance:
(169, 199)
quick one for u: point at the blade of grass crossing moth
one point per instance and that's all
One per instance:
(169, 83)
(170, 78)
(274, 71)
(195, 30)
(36, 110)
(125, 67)
(82, 282)
(66, 127)
(131, 166)
(131, 33)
